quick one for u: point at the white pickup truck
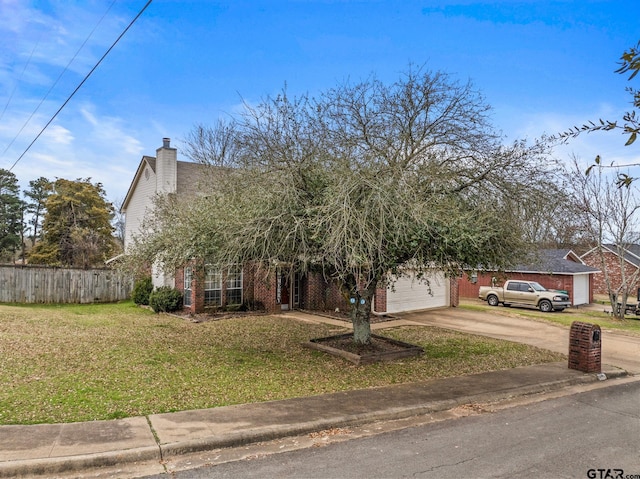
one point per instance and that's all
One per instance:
(525, 293)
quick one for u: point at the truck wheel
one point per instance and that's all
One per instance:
(545, 306)
(492, 299)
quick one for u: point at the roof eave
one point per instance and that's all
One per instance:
(134, 183)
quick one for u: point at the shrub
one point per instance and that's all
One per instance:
(141, 291)
(252, 305)
(165, 299)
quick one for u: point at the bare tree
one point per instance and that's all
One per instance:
(118, 222)
(215, 146)
(611, 216)
(550, 217)
(366, 182)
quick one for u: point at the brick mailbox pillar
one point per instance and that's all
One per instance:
(585, 347)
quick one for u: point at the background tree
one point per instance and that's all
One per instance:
(118, 222)
(550, 218)
(11, 209)
(365, 183)
(36, 196)
(77, 227)
(610, 216)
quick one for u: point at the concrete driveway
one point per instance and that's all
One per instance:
(618, 349)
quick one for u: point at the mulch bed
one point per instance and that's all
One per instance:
(377, 345)
(379, 349)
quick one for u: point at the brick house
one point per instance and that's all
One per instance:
(560, 269)
(206, 286)
(615, 260)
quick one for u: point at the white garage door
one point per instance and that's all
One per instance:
(410, 294)
(580, 289)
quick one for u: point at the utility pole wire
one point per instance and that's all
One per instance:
(80, 84)
(15, 87)
(57, 80)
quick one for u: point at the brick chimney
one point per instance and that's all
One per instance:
(166, 168)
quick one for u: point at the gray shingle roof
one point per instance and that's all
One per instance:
(553, 261)
(631, 253)
(189, 176)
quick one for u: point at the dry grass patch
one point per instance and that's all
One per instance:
(90, 362)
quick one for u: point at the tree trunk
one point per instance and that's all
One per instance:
(361, 315)
(617, 307)
(361, 324)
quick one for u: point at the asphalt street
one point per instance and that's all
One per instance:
(587, 435)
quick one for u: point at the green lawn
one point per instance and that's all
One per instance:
(89, 362)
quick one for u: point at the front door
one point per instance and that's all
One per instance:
(282, 291)
(284, 296)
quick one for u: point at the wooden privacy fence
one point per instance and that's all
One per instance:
(44, 284)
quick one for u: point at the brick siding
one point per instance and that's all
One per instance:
(263, 288)
(259, 290)
(380, 300)
(254, 289)
(613, 268)
(321, 295)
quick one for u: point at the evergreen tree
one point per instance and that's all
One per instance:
(37, 194)
(11, 208)
(77, 227)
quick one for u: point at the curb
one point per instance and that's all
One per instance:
(279, 432)
(58, 465)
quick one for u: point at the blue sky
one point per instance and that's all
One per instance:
(542, 65)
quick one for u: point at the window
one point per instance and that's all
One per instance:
(234, 285)
(219, 286)
(212, 286)
(188, 276)
(537, 286)
(296, 290)
(514, 286)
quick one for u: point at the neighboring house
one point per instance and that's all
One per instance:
(206, 285)
(552, 268)
(630, 260)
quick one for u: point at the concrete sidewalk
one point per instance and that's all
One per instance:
(55, 449)
(52, 449)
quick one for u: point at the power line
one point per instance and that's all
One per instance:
(57, 80)
(15, 87)
(81, 83)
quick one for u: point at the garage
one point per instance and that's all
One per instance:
(580, 289)
(411, 294)
(559, 269)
